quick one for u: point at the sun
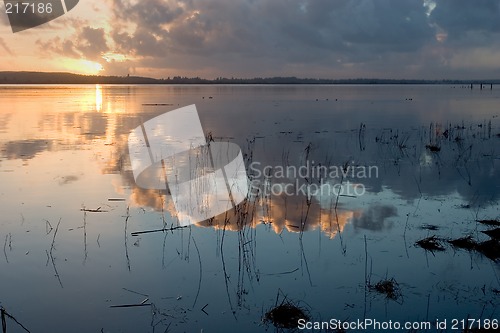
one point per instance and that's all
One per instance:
(90, 67)
(83, 66)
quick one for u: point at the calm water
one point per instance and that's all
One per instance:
(64, 162)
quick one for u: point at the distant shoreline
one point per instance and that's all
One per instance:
(70, 78)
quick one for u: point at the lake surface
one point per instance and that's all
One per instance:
(418, 162)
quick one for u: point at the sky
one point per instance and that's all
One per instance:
(412, 39)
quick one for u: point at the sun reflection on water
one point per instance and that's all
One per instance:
(98, 97)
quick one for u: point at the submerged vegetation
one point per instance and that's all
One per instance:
(286, 314)
(432, 243)
(466, 243)
(390, 288)
(489, 248)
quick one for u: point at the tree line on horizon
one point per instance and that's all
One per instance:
(70, 78)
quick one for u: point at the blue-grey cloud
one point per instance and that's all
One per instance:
(341, 38)
(248, 34)
(459, 17)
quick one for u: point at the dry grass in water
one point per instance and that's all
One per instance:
(490, 249)
(285, 315)
(432, 243)
(493, 223)
(494, 233)
(466, 243)
(389, 288)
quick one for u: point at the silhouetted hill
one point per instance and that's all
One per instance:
(69, 78)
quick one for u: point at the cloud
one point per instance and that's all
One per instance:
(245, 35)
(374, 218)
(148, 14)
(92, 43)
(342, 38)
(458, 17)
(25, 149)
(59, 46)
(89, 43)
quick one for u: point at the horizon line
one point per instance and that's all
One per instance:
(39, 77)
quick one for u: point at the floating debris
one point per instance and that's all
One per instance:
(432, 243)
(97, 210)
(390, 288)
(494, 233)
(285, 315)
(130, 305)
(466, 243)
(431, 227)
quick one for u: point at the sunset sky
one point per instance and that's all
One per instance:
(422, 39)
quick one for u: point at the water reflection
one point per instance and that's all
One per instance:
(98, 97)
(65, 148)
(375, 218)
(4, 121)
(466, 161)
(25, 149)
(293, 214)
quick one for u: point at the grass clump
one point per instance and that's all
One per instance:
(389, 288)
(466, 243)
(432, 243)
(285, 315)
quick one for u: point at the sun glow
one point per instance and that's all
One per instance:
(98, 97)
(90, 67)
(110, 56)
(83, 66)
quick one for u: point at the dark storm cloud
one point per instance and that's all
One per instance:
(328, 38)
(280, 26)
(266, 35)
(148, 14)
(149, 17)
(387, 25)
(459, 17)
